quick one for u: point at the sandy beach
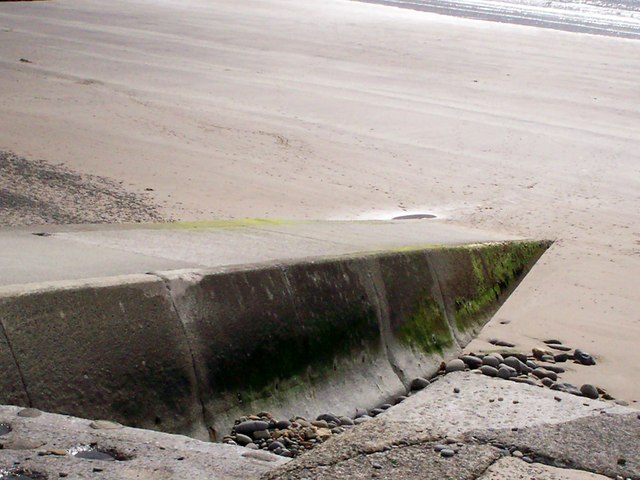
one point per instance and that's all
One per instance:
(341, 110)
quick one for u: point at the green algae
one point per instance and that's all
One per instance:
(496, 269)
(427, 330)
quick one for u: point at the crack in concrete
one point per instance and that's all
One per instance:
(15, 360)
(167, 285)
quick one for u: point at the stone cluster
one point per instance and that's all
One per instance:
(538, 368)
(288, 438)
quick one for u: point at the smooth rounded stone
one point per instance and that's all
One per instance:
(252, 446)
(562, 348)
(304, 423)
(455, 365)
(328, 417)
(376, 411)
(504, 372)
(498, 356)
(541, 373)
(491, 361)
(320, 423)
(261, 435)
(547, 358)
(567, 388)
(456, 390)
(29, 413)
(400, 399)
(520, 356)
(528, 381)
(514, 363)
(104, 425)
(552, 341)
(471, 361)
(547, 382)
(345, 421)
(275, 445)
(362, 419)
(243, 439)
(489, 370)
(386, 406)
(517, 454)
(283, 424)
(447, 452)
(360, 412)
(419, 383)
(527, 459)
(622, 403)
(561, 357)
(589, 391)
(5, 428)
(439, 447)
(337, 430)
(583, 357)
(250, 426)
(229, 441)
(501, 343)
(539, 352)
(553, 368)
(531, 364)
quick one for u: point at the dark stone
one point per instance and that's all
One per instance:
(513, 362)
(275, 445)
(589, 391)
(471, 361)
(531, 364)
(360, 412)
(491, 361)
(489, 370)
(501, 343)
(504, 372)
(243, 439)
(541, 373)
(447, 452)
(375, 412)
(552, 342)
(346, 421)
(553, 368)
(419, 383)
(327, 417)
(561, 357)
(283, 424)
(547, 358)
(547, 382)
(261, 435)
(520, 356)
(247, 428)
(400, 399)
(583, 357)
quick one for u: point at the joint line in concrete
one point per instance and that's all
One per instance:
(167, 284)
(15, 360)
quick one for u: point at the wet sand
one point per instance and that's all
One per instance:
(300, 109)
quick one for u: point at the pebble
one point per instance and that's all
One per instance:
(531, 364)
(552, 341)
(360, 412)
(362, 419)
(283, 424)
(447, 452)
(589, 391)
(29, 413)
(527, 459)
(104, 425)
(456, 390)
(248, 427)
(345, 421)
(261, 435)
(322, 423)
(419, 383)
(400, 399)
(583, 357)
(377, 466)
(471, 361)
(243, 439)
(386, 406)
(327, 417)
(541, 373)
(504, 372)
(562, 348)
(501, 343)
(22, 444)
(553, 368)
(489, 370)
(439, 447)
(513, 362)
(547, 358)
(517, 454)
(491, 361)
(547, 382)
(539, 352)
(455, 365)
(561, 357)
(376, 411)
(275, 445)
(252, 446)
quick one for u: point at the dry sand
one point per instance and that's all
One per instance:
(338, 109)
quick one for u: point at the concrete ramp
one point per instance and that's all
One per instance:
(185, 335)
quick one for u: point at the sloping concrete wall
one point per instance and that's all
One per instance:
(189, 351)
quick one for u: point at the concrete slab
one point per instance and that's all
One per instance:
(45, 444)
(96, 251)
(516, 469)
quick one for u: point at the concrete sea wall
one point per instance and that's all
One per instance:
(189, 351)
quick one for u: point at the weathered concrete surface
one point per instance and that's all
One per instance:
(11, 382)
(41, 445)
(516, 469)
(484, 417)
(110, 349)
(87, 251)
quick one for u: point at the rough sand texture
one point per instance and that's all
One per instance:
(306, 109)
(36, 193)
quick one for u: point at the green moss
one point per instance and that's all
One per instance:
(427, 329)
(496, 269)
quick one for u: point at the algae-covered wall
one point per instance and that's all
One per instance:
(189, 351)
